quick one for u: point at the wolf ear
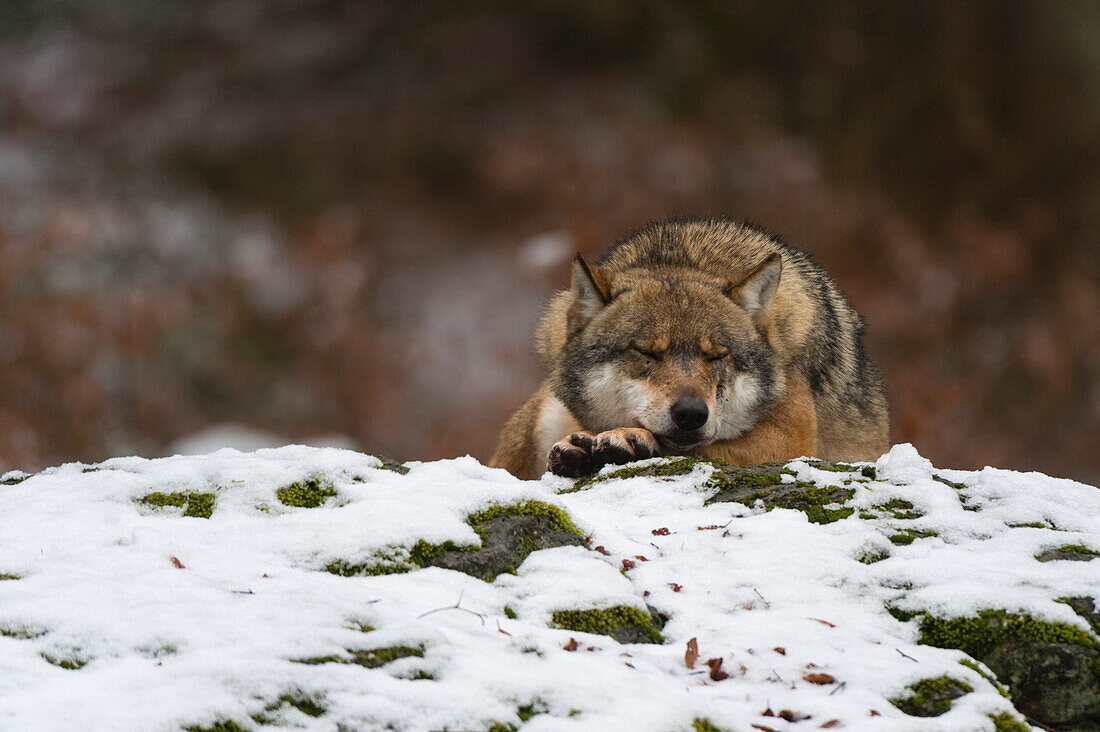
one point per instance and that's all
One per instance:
(755, 289)
(591, 290)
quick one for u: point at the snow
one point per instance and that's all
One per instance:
(167, 647)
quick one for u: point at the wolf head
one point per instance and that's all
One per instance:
(683, 354)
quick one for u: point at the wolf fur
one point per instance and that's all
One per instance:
(701, 337)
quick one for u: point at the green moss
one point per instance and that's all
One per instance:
(868, 471)
(305, 704)
(813, 500)
(932, 697)
(388, 464)
(963, 499)
(908, 536)
(308, 493)
(872, 557)
(1068, 552)
(832, 467)
(14, 477)
(370, 658)
(500, 727)
(978, 635)
(988, 676)
(727, 482)
(899, 614)
(422, 553)
(509, 612)
(200, 505)
(705, 725)
(5, 576)
(1005, 722)
(671, 467)
(536, 707)
(395, 560)
(559, 519)
(70, 663)
(1029, 525)
(614, 621)
(222, 725)
(376, 657)
(362, 627)
(163, 500)
(194, 504)
(953, 484)
(900, 509)
(499, 553)
(365, 569)
(21, 632)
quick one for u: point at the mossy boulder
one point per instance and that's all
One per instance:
(624, 624)
(1052, 670)
(508, 534)
(932, 697)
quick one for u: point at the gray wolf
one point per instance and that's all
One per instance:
(698, 337)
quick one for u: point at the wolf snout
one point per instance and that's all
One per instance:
(690, 413)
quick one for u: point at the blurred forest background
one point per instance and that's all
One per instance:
(323, 218)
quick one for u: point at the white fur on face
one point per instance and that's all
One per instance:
(615, 401)
(736, 407)
(554, 423)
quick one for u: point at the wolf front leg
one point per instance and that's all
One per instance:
(528, 436)
(788, 431)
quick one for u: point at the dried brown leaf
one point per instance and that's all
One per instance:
(818, 678)
(716, 672)
(691, 655)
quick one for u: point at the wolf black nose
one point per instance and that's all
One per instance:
(690, 414)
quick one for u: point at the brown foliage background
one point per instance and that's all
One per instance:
(316, 217)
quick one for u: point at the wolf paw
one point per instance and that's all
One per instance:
(582, 453)
(571, 456)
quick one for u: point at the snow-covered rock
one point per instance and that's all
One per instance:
(318, 588)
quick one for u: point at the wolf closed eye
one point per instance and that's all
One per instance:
(739, 348)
